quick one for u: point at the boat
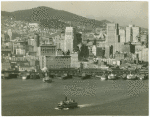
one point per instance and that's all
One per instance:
(67, 104)
(142, 77)
(97, 76)
(124, 76)
(104, 77)
(2, 76)
(47, 79)
(24, 77)
(131, 76)
(85, 76)
(112, 76)
(67, 76)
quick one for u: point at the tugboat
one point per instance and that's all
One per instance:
(67, 76)
(47, 79)
(131, 76)
(111, 76)
(67, 104)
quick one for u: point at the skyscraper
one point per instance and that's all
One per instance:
(132, 33)
(129, 34)
(136, 33)
(122, 34)
(69, 37)
(113, 36)
(112, 33)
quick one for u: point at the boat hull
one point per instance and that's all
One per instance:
(73, 105)
(67, 77)
(102, 78)
(86, 77)
(24, 78)
(131, 77)
(112, 78)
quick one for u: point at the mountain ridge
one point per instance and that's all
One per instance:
(43, 13)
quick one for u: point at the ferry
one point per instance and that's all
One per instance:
(131, 76)
(67, 104)
(112, 76)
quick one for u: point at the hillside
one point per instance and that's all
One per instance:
(49, 17)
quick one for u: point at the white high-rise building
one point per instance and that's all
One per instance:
(122, 34)
(129, 34)
(136, 33)
(132, 33)
(69, 37)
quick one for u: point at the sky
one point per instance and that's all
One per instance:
(124, 13)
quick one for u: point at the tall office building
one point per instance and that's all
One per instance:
(132, 33)
(122, 34)
(129, 37)
(69, 39)
(112, 33)
(136, 33)
(112, 36)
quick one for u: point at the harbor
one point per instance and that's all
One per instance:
(94, 97)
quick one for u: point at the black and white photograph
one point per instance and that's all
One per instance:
(74, 58)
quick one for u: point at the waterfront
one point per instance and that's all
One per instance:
(95, 97)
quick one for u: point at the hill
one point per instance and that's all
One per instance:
(53, 18)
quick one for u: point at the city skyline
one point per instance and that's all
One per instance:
(123, 13)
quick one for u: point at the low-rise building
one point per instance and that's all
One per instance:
(47, 50)
(6, 64)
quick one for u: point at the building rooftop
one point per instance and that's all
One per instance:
(47, 45)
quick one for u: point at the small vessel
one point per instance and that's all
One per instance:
(142, 77)
(67, 76)
(47, 79)
(124, 76)
(2, 76)
(85, 76)
(24, 77)
(131, 76)
(112, 76)
(67, 104)
(97, 76)
(104, 77)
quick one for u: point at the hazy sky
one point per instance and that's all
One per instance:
(119, 12)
